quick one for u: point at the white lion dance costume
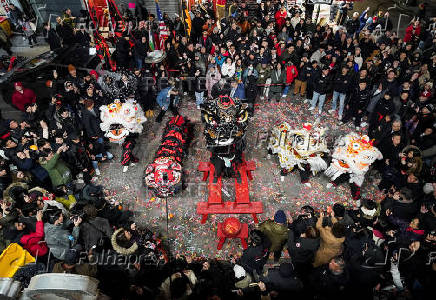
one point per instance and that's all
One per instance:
(303, 148)
(120, 119)
(351, 159)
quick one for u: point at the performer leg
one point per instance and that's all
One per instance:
(304, 174)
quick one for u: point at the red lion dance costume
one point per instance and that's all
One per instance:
(164, 174)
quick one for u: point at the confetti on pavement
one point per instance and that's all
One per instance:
(186, 235)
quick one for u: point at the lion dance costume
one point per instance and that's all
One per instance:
(120, 119)
(164, 174)
(302, 149)
(351, 159)
(226, 120)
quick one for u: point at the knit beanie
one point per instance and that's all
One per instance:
(280, 217)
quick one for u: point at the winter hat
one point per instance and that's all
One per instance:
(94, 73)
(18, 83)
(280, 217)
(48, 83)
(430, 107)
(71, 257)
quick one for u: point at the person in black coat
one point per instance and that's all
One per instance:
(24, 162)
(363, 278)
(256, 255)
(302, 250)
(52, 37)
(91, 121)
(91, 126)
(391, 150)
(384, 108)
(82, 37)
(341, 86)
(205, 41)
(122, 56)
(126, 87)
(311, 81)
(330, 280)
(141, 47)
(197, 26)
(65, 32)
(321, 86)
(77, 157)
(283, 280)
(357, 106)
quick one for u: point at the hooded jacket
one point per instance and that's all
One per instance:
(283, 279)
(330, 245)
(93, 230)
(58, 239)
(57, 170)
(19, 100)
(118, 248)
(276, 233)
(302, 250)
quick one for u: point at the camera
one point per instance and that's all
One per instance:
(76, 217)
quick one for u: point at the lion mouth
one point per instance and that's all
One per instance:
(225, 142)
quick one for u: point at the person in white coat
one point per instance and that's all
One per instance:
(228, 68)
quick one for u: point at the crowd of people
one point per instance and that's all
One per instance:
(353, 67)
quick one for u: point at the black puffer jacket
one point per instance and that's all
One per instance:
(283, 280)
(302, 250)
(321, 83)
(341, 83)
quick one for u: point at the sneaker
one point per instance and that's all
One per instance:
(319, 112)
(185, 93)
(262, 97)
(363, 124)
(358, 203)
(132, 164)
(311, 108)
(306, 100)
(198, 106)
(97, 172)
(340, 123)
(125, 168)
(329, 185)
(284, 96)
(357, 128)
(308, 184)
(331, 111)
(340, 118)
